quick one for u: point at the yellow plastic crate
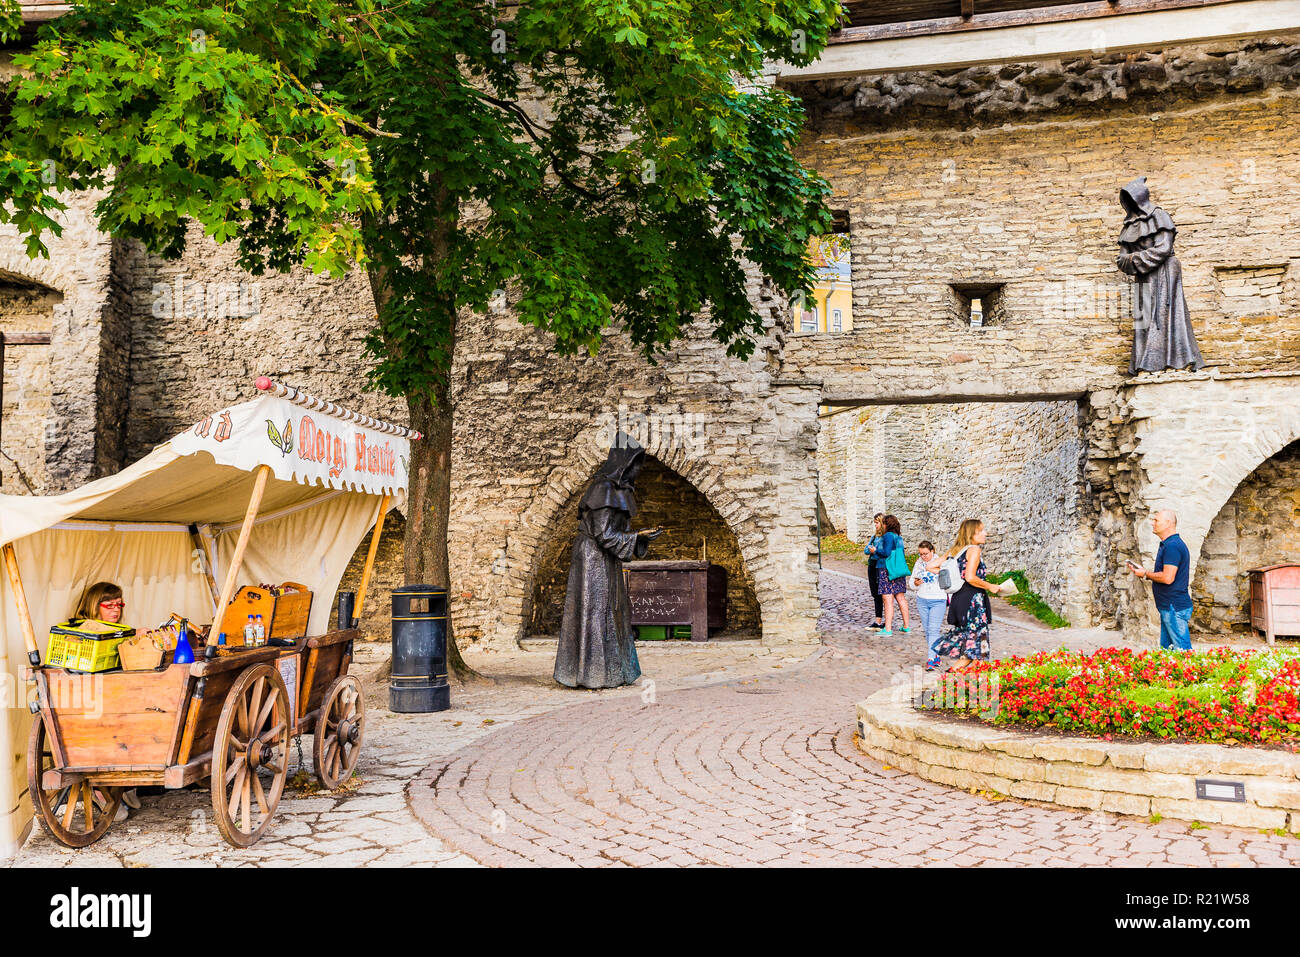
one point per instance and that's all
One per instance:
(85, 645)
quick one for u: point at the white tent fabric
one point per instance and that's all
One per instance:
(133, 528)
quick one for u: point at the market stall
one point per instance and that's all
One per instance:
(280, 489)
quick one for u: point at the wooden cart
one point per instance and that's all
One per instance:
(228, 718)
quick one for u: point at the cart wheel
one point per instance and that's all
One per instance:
(249, 756)
(339, 729)
(75, 816)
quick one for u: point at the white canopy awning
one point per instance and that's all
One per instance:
(327, 482)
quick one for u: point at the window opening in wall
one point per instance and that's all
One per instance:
(832, 296)
(976, 305)
(808, 322)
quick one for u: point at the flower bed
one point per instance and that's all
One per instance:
(1216, 695)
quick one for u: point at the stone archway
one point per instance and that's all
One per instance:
(525, 540)
(1200, 436)
(695, 531)
(1259, 525)
(1190, 441)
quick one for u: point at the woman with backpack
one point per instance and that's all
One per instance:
(969, 609)
(892, 571)
(873, 564)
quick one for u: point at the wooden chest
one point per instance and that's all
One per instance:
(1275, 600)
(284, 616)
(678, 593)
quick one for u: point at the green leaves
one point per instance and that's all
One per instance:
(598, 159)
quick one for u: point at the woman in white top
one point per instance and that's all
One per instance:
(931, 601)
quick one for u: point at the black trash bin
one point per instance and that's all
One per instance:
(419, 679)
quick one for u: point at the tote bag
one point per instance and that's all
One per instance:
(896, 564)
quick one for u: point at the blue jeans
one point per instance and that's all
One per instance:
(1174, 631)
(933, 611)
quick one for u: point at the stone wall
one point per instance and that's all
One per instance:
(1259, 525)
(694, 531)
(25, 307)
(533, 427)
(202, 329)
(1032, 207)
(1016, 466)
(1136, 84)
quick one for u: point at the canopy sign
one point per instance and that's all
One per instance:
(301, 444)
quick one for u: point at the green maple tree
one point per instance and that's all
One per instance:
(607, 161)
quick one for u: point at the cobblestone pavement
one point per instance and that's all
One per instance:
(764, 770)
(371, 822)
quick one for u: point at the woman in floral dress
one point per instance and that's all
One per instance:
(969, 611)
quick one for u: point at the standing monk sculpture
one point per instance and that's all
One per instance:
(1162, 331)
(597, 647)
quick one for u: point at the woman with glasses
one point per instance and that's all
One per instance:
(103, 601)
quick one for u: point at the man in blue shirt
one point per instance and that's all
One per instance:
(1169, 582)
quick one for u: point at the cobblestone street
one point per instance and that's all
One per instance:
(765, 771)
(735, 755)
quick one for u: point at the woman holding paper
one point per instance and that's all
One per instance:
(969, 611)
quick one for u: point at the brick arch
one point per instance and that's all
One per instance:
(587, 453)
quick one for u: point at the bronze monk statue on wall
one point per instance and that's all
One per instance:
(1162, 330)
(597, 647)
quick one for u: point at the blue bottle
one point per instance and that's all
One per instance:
(184, 653)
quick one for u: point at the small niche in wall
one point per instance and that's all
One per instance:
(1252, 291)
(976, 305)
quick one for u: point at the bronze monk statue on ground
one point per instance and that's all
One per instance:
(597, 647)
(1162, 330)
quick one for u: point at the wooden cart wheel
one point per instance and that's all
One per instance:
(75, 816)
(250, 756)
(339, 730)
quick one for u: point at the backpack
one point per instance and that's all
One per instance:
(950, 578)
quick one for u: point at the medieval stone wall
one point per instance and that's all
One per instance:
(201, 330)
(25, 307)
(1015, 466)
(1137, 83)
(942, 197)
(1030, 209)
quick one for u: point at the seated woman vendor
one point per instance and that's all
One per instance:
(103, 601)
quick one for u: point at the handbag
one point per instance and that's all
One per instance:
(896, 564)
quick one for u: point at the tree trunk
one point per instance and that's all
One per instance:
(428, 502)
(429, 505)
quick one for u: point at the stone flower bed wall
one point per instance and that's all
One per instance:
(1123, 777)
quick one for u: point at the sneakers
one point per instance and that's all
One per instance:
(906, 630)
(884, 633)
(933, 663)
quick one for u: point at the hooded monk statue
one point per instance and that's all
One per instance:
(1162, 331)
(597, 647)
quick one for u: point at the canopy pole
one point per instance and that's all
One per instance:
(20, 599)
(237, 559)
(370, 559)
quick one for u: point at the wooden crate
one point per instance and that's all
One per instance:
(283, 616)
(1275, 600)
